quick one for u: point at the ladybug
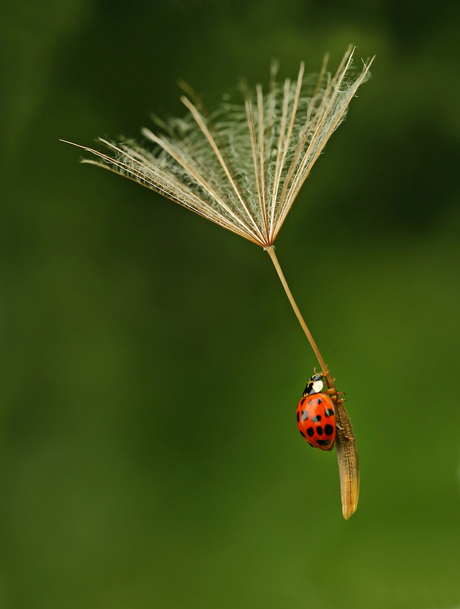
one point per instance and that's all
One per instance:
(316, 415)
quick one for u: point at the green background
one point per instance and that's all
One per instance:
(151, 364)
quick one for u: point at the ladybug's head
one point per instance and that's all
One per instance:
(314, 385)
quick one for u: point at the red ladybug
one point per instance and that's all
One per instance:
(316, 416)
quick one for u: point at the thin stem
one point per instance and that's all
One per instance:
(271, 252)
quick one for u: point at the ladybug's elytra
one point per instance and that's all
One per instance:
(316, 415)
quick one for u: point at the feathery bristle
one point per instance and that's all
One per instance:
(243, 166)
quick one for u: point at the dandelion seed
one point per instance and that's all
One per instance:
(242, 168)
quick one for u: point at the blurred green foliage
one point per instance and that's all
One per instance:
(151, 364)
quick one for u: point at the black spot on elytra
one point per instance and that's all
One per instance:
(302, 401)
(311, 445)
(328, 429)
(319, 401)
(298, 416)
(310, 431)
(329, 412)
(323, 442)
(317, 418)
(302, 433)
(304, 415)
(319, 430)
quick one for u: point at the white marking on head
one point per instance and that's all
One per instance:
(317, 386)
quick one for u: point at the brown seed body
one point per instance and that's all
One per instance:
(348, 461)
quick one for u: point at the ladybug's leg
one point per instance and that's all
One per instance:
(335, 400)
(334, 395)
(347, 437)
